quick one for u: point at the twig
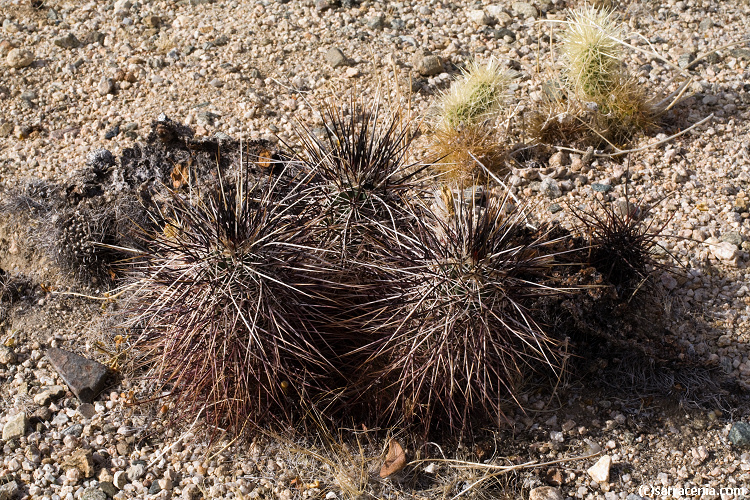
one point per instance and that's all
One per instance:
(506, 469)
(494, 177)
(476, 465)
(107, 297)
(161, 455)
(726, 46)
(620, 152)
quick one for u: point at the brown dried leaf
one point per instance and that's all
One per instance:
(265, 159)
(395, 460)
(180, 175)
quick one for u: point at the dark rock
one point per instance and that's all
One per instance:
(68, 41)
(376, 22)
(601, 188)
(42, 414)
(152, 21)
(550, 188)
(739, 434)
(74, 430)
(85, 377)
(87, 410)
(554, 208)
(501, 33)
(324, 5)
(95, 37)
(154, 488)
(112, 133)
(732, 237)
(108, 487)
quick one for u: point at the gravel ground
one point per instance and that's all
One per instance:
(81, 76)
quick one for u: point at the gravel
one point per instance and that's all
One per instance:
(79, 76)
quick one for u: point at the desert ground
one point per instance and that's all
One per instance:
(659, 414)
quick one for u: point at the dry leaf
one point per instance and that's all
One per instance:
(180, 175)
(395, 460)
(265, 159)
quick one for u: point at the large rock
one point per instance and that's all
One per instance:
(550, 188)
(428, 65)
(82, 460)
(724, 251)
(86, 378)
(7, 357)
(336, 58)
(19, 58)
(599, 472)
(15, 427)
(739, 434)
(479, 17)
(50, 393)
(93, 494)
(524, 9)
(9, 491)
(106, 86)
(68, 41)
(545, 493)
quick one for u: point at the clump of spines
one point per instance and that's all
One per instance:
(466, 128)
(361, 168)
(476, 97)
(596, 102)
(592, 53)
(621, 244)
(229, 300)
(333, 283)
(461, 334)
